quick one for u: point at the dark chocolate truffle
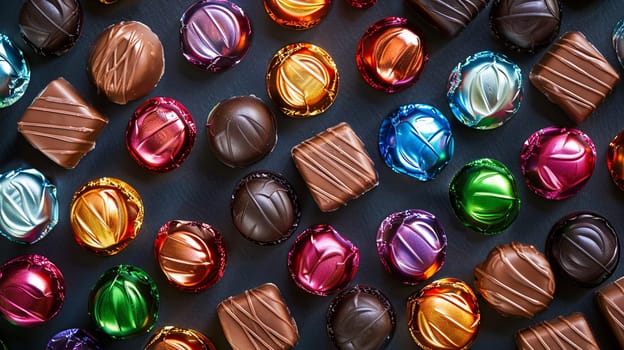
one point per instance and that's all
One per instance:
(449, 16)
(360, 318)
(265, 208)
(584, 248)
(525, 24)
(241, 130)
(51, 27)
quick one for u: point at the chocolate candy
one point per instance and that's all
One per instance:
(516, 280)
(443, 315)
(411, 244)
(485, 90)
(449, 16)
(61, 124)
(615, 159)
(583, 247)
(321, 261)
(610, 300)
(191, 254)
(360, 318)
(557, 162)
(484, 196)
(215, 34)
(302, 80)
(106, 215)
(241, 130)
(108, 2)
(126, 61)
(170, 337)
(73, 339)
(416, 140)
(561, 333)
(124, 302)
(391, 55)
(361, 3)
(28, 205)
(335, 166)
(574, 75)
(296, 14)
(160, 134)
(618, 41)
(32, 290)
(265, 208)
(51, 27)
(14, 72)
(258, 316)
(525, 25)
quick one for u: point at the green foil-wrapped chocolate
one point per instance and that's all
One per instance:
(173, 338)
(484, 196)
(124, 302)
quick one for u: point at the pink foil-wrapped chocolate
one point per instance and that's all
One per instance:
(321, 261)
(361, 3)
(32, 290)
(557, 162)
(161, 134)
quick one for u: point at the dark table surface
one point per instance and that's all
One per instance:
(201, 189)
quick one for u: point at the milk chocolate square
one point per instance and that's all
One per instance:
(258, 319)
(61, 124)
(610, 300)
(574, 75)
(335, 166)
(563, 332)
(449, 16)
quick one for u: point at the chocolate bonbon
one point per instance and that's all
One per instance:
(192, 255)
(391, 55)
(447, 306)
(574, 75)
(335, 166)
(14, 72)
(258, 318)
(484, 196)
(557, 162)
(321, 261)
(302, 80)
(106, 214)
(61, 124)
(564, 332)
(610, 300)
(215, 34)
(525, 24)
(126, 61)
(615, 159)
(449, 16)
(28, 205)
(160, 134)
(32, 290)
(618, 41)
(241, 130)
(295, 14)
(360, 318)
(73, 339)
(583, 247)
(411, 244)
(361, 3)
(485, 91)
(416, 140)
(516, 280)
(170, 337)
(124, 302)
(51, 27)
(265, 208)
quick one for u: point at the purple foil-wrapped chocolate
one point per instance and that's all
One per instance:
(73, 339)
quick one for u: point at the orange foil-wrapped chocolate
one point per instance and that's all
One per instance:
(297, 14)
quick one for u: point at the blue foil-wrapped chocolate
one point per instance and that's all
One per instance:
(618, 40)
(416, 140)
(28, 205)
(73, 339)
(14, 72)
(485, 90)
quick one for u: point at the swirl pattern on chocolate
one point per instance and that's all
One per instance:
(51, 27)
(525, 24)
(563, 332)
(297, 14)
(449, 16)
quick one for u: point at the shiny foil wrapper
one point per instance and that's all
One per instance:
(618, 41)
(615, 159)
(73, 339)
(360, 4)
(295, 14)
(170, 337)
(14, 72)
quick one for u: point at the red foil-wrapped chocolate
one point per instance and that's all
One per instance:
(321, 261)
(191, 254)
(361, 3)
(615, 160)
(32, 290)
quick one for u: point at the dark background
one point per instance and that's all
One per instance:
(201, 189)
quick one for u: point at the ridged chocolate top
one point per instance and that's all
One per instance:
(610, 300)
(525, 24)
(449, 16)
(51, 27)
(561, 333)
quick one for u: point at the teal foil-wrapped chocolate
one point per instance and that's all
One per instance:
(124, 302)
(14, 72)
(618, 40)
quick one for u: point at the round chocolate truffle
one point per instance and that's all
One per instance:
(265, 209)
(583, 247)
(51, 27)
(241, 130)
(360, 318)
(516, 280)
(525, 24)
